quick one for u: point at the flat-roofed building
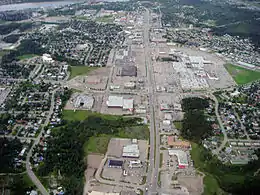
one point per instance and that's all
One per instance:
(131, 151)
(181, 156)
(177, 144)
(128, 104)
(115, 102)
(115, 163)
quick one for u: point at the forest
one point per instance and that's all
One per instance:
(65, 154)
(195, 126)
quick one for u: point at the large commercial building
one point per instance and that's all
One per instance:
(181, 156)
(120, 102)
(131, 151)
(84, 101)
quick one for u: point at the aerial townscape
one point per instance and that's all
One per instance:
(130, 97)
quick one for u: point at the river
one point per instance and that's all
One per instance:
(21, 6)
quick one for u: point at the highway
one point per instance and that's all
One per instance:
(154, 156)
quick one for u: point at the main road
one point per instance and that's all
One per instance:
(154, 157)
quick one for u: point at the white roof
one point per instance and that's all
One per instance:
(115, 101)
(102, 193)
(128, 103)
(181, 155)
(131, 150)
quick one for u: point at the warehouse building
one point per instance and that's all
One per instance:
(115, 102)
(131, 151)
(115, 164)
(120, 102)
(128, 70)
(181, 156)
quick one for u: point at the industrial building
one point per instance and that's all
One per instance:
(83, 101)
(131, 151)
(128, 70)
(181, 156)
(115, 164)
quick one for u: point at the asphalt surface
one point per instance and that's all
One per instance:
(154, 156)
(221, 126)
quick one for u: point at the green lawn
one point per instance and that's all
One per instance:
(97, 144)
(178, 125)
(78, 115)
(242, 75)
(105, 19)
(80, 70)
(26, 56)
(161, 160)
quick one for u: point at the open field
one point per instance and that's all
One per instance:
(178, 125)
(80, 70)
(78, 115)
(242, 75)
(97, 144)
(105, 19)
(211, 185)
(27, 56)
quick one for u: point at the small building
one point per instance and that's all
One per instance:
(177, 144)
(115, 164)
(164, 107)
(135, 164)
(129, 85)
(166, 122)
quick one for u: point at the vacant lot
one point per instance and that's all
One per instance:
(80, 70)
(242, 75)
(97, 144)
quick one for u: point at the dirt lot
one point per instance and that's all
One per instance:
(93, 162)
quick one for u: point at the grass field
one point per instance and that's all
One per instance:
(27, 56)
(178, 125)
(78, 115)
(105, 19)
(97, 144)
(242, 75)
(80, 70)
